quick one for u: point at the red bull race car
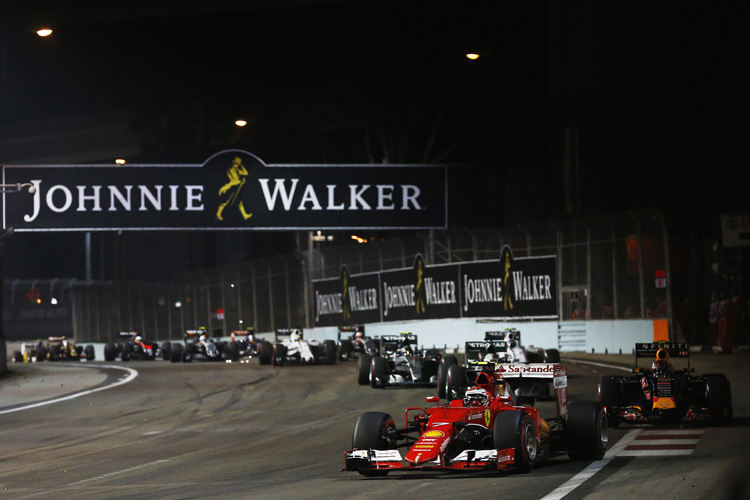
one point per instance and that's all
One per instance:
(664, 394)
(484, 431)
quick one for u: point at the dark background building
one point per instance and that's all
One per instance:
(572, 109)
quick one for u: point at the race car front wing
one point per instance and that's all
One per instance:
(468, 460)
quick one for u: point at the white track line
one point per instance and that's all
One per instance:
(598, 465)
(131, 375)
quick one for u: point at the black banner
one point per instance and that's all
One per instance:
(232, 190)
(524, 288)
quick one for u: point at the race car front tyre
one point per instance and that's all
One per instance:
(88, 352)
(345, 349)
(41, 353)
(265, 352)
(587, 431)
(609, 394)
(455, 383)
(515, 429)
(442, 376)
(329, 352)
(54, 352)
(17, 357)
(378, 373)
(363, 369)
(372, 432)
(719, 398)
(279, 355)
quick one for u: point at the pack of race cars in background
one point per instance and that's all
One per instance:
(53, 349)
(198, 345)
(131, 345)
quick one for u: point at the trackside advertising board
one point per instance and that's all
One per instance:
(524, 288)
(232, 190)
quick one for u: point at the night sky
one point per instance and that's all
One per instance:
(654, 95)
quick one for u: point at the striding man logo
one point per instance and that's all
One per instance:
(420, 294)
(237, 175)
(505, 259)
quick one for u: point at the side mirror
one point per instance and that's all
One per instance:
(432, 399)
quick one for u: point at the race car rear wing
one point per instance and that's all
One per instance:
(349, 330)
(477, 350)
(649, 350)
(508, 334)
(390, 343)
(288, 332)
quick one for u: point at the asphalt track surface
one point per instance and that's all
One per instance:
(216, 430)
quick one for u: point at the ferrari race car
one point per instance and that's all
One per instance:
(501, 350)
(290, 347)
(53, 349)
(664, 394)
(485, 430)
(355, 343)
(200, 346)
(130, 345)
(400, 362)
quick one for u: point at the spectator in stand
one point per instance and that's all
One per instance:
(728, 318)
(660, 311)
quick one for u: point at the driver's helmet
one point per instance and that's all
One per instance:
(138, 339)
(476, 397)
(359, 334)
(661, 367)
(297, 336)
(203, 337)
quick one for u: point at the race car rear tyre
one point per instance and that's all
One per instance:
(166, 350)
(279, 355)
(609, 394)
(110, 352)
(552, 356)
(234, 350)
(371, 432)
(187, 353)
(515, 429)
(329, 352)
(17, 356)
(455, 382)
(88, 352)
(442, 376)
(363, 369)
(345, 349)
(54, 352)
(127, 351)
(175, 353)
(719, 398)
(41, 353)
(378, 372)
(587, 431)
(265, 352)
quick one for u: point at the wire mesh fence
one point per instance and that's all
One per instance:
(609, 267)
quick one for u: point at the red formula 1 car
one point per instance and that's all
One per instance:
(483, 431)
